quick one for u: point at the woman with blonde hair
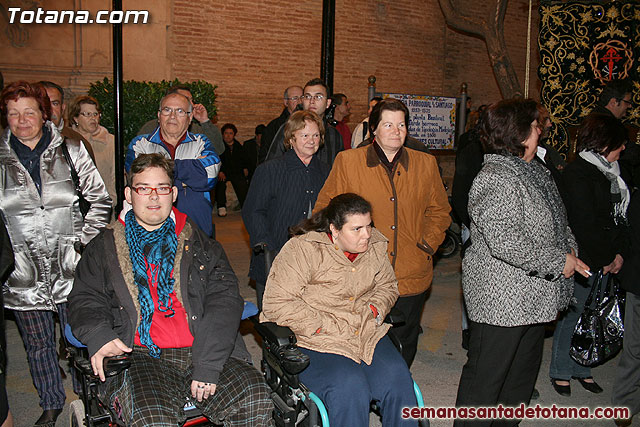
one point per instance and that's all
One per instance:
(283, 191)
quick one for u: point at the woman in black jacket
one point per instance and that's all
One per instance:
(283, 191)
(596, 198)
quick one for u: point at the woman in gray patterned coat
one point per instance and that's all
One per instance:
(517, 273)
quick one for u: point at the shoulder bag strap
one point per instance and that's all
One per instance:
(74, 174)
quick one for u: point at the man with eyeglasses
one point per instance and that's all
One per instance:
(201, 124)
(292, 98)
(315, 98)
(178, 317)
(615, 100)
(58, 106)
(196, 162)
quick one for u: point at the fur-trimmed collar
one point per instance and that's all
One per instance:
(124, 259)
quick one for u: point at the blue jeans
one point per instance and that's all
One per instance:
(563, 367)
(347, 388)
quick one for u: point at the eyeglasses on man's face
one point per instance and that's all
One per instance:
(179, 112)
(146, 191)
(308, 97)
(294, 98)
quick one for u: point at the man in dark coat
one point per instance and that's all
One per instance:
(292, 98)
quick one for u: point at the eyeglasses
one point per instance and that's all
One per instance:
(166, 111)
(294, 98)
(88, 114)
(629, 103)
(316, 97)
(146, 191)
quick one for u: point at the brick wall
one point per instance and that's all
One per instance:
(253, 52)
(467, 59)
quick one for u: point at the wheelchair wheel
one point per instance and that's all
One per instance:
(76, 413)
(449, 246)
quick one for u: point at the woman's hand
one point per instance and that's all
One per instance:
(573, 264)
(615, 265)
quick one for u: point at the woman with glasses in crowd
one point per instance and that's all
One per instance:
(41, 209)
(283, 191)
(84, 114)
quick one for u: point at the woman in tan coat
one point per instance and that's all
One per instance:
(332, 284)
(410, 207)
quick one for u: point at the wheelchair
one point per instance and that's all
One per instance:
(89, 410)
(294, 404)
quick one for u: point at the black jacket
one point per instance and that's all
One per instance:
(270, 132)
(101, 305)
(630, 274)
(587, 196)
(280, 196)
(469, 157)
(234, 160)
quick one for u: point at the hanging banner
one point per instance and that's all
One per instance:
(432, 119)
(583, 46)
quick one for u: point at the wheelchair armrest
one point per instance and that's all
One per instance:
(111, 365)
(279, 336)
(280, 342)
(116, 364)
(395, 317)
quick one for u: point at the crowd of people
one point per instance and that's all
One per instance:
(343, 229)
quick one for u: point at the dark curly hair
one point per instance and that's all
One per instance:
(506, 124)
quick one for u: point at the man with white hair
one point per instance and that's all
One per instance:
(196, 162)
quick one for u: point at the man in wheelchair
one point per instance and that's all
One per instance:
(155, 286)
(332, 285)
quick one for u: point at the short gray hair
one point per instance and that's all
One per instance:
(174, 94)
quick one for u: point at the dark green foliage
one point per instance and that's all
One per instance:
(141, 101)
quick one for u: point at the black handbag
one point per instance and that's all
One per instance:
(83, 203)
(598, 334)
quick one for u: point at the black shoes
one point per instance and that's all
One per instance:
(562, 390)
(593, 387)
(565, 390)
(48, 418)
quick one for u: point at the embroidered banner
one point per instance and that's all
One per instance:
(583, 45)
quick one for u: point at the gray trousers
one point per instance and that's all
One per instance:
(626, 389)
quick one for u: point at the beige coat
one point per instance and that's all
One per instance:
(324, 298)
(410, 207)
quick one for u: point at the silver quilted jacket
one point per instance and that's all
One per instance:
(43, 228)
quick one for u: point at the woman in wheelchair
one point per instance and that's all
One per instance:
(333, 285)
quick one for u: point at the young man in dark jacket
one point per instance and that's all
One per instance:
(156, 286)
